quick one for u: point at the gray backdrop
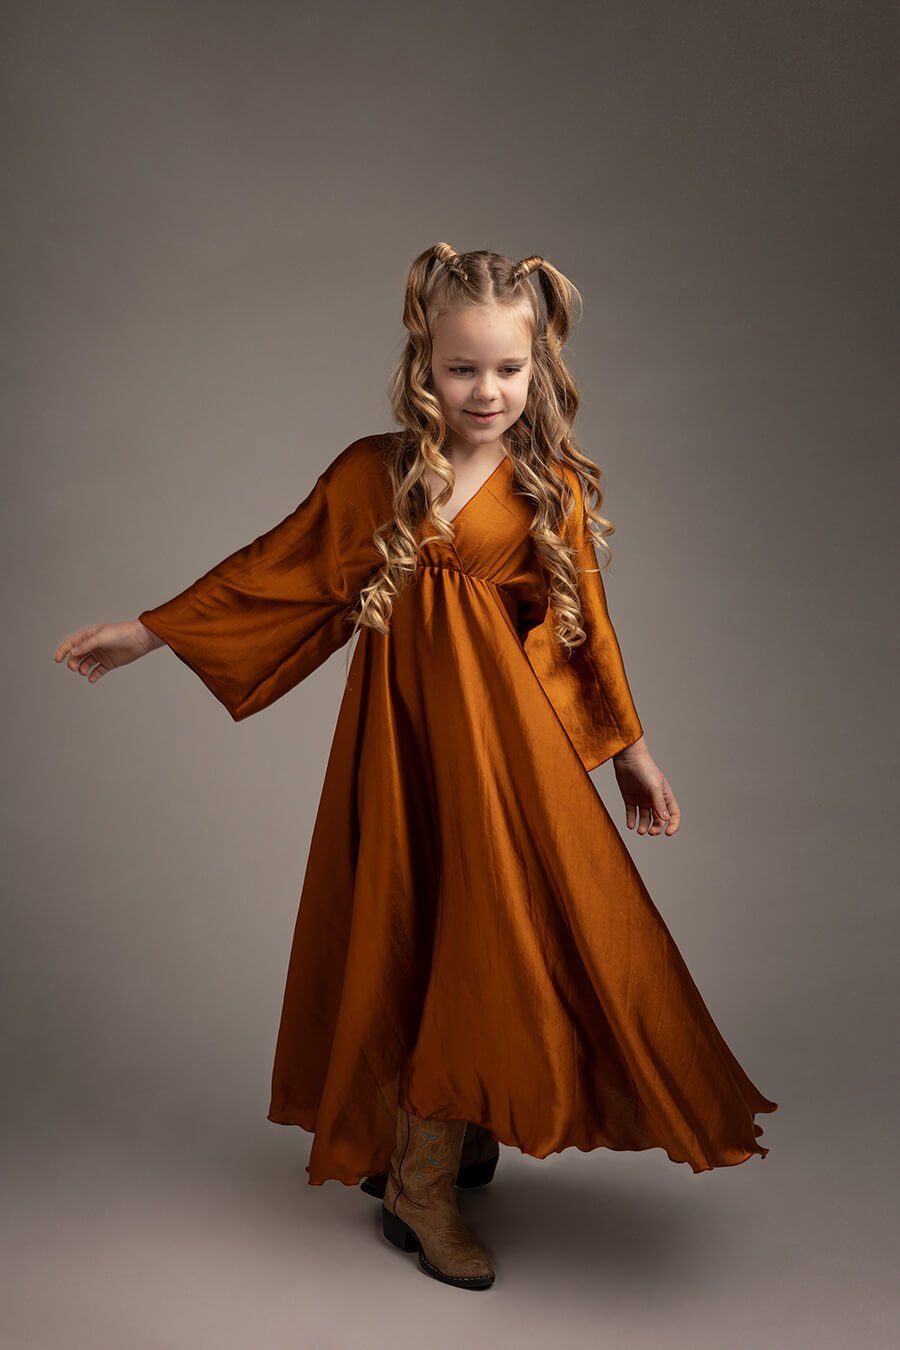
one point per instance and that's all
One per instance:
(210, 212)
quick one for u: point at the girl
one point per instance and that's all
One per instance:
(476, 959)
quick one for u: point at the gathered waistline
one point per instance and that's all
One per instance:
(509, 601)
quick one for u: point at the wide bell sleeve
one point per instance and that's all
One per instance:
(589, 691)
(264, 618)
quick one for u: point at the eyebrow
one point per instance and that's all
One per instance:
(508, 361)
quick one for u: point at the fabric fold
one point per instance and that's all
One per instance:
(473, 940)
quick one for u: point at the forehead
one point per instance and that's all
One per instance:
(483, 331)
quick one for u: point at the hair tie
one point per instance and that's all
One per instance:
(448, 255)
(525, 266)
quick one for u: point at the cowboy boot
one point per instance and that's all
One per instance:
(419, 1208)
(477, 1163)
(479, 1157)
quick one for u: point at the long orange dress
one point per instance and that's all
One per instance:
(473, 940)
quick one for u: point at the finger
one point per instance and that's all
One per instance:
(78, 641)
(83, 654)
(630, 814)
(660, 812)
(63, 649)
(674, 815)
(644, 821)
(77, 650)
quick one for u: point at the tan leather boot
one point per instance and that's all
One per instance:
(419, 1209)
(477, 1163)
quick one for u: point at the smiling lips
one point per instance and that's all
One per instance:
(482, 417)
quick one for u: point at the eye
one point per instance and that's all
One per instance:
(461, 370)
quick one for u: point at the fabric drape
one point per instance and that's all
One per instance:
(473, 939)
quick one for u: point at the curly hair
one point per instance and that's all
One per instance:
(540, 443)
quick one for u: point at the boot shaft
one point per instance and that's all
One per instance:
(425, 1160)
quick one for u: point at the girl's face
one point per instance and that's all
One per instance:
(481, 363)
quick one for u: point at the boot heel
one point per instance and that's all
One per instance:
(375, 1184)
(396, 1231)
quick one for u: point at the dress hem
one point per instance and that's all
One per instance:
(291, 1116)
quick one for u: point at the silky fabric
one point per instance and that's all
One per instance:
(473, 940)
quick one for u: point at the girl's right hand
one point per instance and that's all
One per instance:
(100, 647)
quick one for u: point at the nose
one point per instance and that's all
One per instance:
(484, 391)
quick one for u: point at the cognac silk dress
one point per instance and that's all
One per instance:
(473, 939)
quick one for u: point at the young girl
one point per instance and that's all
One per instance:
(476, 958)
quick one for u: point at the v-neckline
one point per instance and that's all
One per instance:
(478, 491)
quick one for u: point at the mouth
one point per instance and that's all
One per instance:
(482, 417)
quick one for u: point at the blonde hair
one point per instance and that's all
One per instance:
(540, 443)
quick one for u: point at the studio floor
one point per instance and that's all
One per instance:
(186, 1238)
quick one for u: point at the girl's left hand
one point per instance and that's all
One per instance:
(645, 791)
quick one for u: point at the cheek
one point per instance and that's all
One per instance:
(451, 395)
(521, 394)
(441, 390)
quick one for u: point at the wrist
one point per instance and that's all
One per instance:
(636, 750)
(148, 639)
